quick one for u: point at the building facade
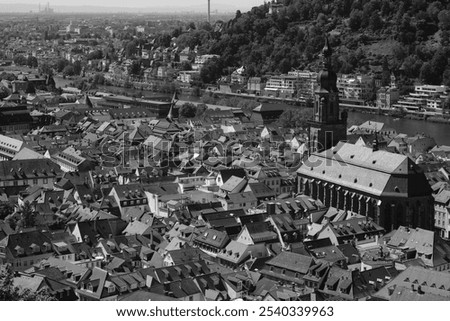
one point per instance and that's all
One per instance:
(389, 188)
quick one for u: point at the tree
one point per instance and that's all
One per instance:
(438, 64)
(68, 70)
(99, 79)
(386, 74)
(191, 25)
(355, 19)
(4, 92)
(5, 210)
(61, 64)
(188, 110)
(96, 54)
(426, 74)
(200, 110)
(444, 20)
(9, 292)
(211, 71)
(135, 68)
(45, 69)
(446, 77)
(131, 48)
(375, 21)
(30, 88)
(32, 62)
(185, 65)
(77, 67)
(294, 118)
(20, 60)
(27, 216)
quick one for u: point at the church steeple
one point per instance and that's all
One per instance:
(327, 78)
(174, 101)
(327, 127)
(326, 54)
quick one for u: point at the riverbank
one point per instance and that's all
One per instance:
(438, 130)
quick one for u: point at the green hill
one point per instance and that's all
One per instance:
(412, 34)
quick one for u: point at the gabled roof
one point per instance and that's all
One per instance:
(245, 197)
(362, 169)
(227, 173)
(292, 261)
(213, 238)
(185, 255)
(434, 286)
(261, 232)
(27, 244)
(137, 227)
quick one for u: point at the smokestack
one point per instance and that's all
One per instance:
(209, 11)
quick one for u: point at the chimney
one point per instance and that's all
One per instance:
(375, 143)
(270, 208)
(419, 290)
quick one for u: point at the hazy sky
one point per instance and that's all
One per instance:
(245, 4)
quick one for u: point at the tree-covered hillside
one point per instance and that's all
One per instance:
(413, 34)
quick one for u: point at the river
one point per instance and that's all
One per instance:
(440, 132)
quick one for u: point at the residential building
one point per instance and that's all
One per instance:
(387, 97)
(355, 87)
(22, 250)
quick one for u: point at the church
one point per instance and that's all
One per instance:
(386, 187)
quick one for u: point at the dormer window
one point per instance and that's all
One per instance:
(19, 250)
(111, 288)
(46, 247)
(34, 248)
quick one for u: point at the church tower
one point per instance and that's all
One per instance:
(328, 126)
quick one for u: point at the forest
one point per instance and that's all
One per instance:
(410, 37)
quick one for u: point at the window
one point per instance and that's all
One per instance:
(35, 181)
(45, 180)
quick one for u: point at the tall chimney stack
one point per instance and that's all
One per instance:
(209, 11)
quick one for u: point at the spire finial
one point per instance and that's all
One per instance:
(327, 48)
(326, 53)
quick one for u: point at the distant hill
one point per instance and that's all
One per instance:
(25, 8)
(410, 37)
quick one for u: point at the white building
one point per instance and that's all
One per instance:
(357, 87)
